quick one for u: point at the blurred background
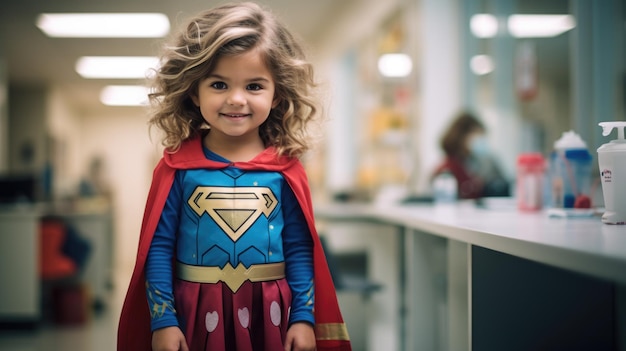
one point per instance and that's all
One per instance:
(394, 74)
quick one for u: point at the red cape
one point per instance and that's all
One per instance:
(134, 326)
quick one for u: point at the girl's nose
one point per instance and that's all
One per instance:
(236, 98)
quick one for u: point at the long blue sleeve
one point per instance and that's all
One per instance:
(159, 262)
(298, 251)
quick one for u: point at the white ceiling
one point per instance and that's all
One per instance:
(32, 59)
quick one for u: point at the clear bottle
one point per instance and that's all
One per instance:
(445, 189)
(570, 172)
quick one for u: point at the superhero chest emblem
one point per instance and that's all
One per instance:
(234, 209)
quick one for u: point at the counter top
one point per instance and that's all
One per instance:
(584, 245)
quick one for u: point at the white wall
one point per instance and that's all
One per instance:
(121, 139)
(129, 156)
(439, 80)
(64, 132)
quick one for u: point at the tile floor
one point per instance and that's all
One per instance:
(98, 334)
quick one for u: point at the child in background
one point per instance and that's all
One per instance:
(229, 257)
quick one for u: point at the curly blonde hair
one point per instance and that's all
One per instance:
(224, 31)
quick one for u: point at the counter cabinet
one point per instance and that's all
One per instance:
(470, 278)
(19, 268)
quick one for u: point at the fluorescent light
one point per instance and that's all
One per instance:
(123, 67)
(540, 26)
(104, 25)
(481, 64)
(395, 65)
(484, 25)
(124, 95)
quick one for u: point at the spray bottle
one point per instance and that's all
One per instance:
(612, 162)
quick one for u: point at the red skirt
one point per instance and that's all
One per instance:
(212, 317)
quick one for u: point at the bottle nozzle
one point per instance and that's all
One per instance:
(607, 127)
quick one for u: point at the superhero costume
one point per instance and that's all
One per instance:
(134, 327)
(236, 238)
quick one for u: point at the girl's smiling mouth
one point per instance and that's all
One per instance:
(235, 115)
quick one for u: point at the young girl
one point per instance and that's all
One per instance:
(228, 257)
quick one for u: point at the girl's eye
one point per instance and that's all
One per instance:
(254, 86)
(218, 85)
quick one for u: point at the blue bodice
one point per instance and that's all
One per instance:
(236, 219)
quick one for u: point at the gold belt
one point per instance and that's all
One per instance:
(232, 277)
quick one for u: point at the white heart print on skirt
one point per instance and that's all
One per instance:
(244, 317)
(210, 320)
(275, 313)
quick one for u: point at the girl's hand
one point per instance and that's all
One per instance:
(300, 337)
(169, 339)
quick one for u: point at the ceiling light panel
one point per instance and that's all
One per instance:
(484, 25)
(395, 65)
(540, 26)
(116, 67)
(104, 25)
(124, 95)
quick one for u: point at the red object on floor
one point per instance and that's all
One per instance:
(53, 264)
(70, 304)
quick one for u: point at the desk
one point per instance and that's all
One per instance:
(20, 288)
(511, 280)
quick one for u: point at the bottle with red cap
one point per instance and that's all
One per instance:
(530, 181)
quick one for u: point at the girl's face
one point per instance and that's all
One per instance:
(236, 98)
